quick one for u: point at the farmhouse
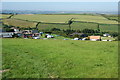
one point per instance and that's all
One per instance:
(94, 38)
(30, 33)
(5, 34)
(16, 30)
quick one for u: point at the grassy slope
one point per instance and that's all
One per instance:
(58, 58)
(65, 18)
(50, 26)
(111, 28)
(19, 23)
(4, 15)
(112, 17)
(81, 26)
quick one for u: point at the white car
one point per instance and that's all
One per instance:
(36, 37)
(76, 39)
(50, 36)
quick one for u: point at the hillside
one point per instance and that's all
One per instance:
(28, 58)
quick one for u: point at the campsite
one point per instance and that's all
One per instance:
(59, 57)
(40, 44)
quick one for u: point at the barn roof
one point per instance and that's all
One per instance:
(94, 37)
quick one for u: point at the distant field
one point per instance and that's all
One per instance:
(25, 21)
(81, 26)
(112, 17)
(45, 26)
(64, 18)
(4, 16)
(103, 27)
(19, 23)
(110, 28)
(29, 58)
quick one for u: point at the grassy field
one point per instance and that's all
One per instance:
(110, 28)
(45, 26)
(4, 15)
(74, 26)
(64, 18)
(112, 17)
(29, 58)
(81, 26)
(26, 21)
(19, 23)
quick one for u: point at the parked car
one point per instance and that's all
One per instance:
(36, 37)
(76, 39)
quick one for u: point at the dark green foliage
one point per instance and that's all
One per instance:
(108, 27)
(88, 31)
(45, 26)
(111, 17)
(55, 29)
(114, 34)
(8, 30)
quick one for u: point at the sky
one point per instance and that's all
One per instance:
(60, 0)
(61, 6)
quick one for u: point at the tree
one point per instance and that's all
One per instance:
(70, 22)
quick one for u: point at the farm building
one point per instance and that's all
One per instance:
(30, 33)
(16, 30)
(6, 34)
(94, 38)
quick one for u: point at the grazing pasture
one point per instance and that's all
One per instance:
(4, 16)
(112, 17)
(46, 26)
(108, 27)
(29, 58)
(19, 23)
(81, 26)
(64, 18)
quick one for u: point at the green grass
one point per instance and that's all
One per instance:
(30, 58)
(103, 27)
(64, 18)
(112, 17)
(4, 16)
(105, 24)
(45, 26)
(81, 26)
(19, 23)
(107, 38)
(110, 28)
